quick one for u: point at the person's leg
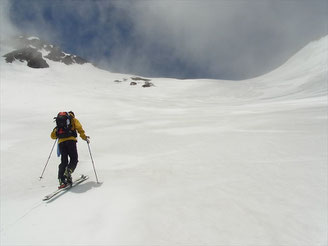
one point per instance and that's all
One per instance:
(73, 155)
(64, 161)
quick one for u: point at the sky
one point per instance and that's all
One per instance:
(221, 39)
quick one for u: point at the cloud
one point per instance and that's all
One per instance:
(215, 39)
(232, 39)
(7, 29)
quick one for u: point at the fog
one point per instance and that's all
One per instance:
(184, 39)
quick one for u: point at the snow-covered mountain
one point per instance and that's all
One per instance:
(36, 52)
(185, 162)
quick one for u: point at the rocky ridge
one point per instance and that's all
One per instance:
(36, 53)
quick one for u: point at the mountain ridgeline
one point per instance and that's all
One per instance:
(37, 52)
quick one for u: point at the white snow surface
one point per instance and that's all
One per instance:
(186, 162)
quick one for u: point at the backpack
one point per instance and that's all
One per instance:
(64, 125)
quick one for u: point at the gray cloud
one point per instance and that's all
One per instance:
(7, 29)
(232, 39)
(182, 38)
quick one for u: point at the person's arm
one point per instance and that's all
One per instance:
(80, 130)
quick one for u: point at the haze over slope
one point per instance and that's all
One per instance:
(184, 162)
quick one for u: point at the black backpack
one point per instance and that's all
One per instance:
(64, 125)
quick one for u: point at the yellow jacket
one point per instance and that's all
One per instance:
(76, 125)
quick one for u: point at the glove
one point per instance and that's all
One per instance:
(87, 139)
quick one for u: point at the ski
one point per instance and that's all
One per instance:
(58, 191)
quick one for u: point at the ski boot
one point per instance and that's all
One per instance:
(68, 176)
(62, 183)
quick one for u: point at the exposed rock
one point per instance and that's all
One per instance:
(32, 56)
(139, 78)
(80, 60)
(133, 83)
(148, 84)
(36, 52)
(56, 54)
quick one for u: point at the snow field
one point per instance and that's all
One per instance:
(187, 162)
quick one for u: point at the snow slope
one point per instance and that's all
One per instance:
(187, 162)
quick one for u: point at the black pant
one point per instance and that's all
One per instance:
(67, 149)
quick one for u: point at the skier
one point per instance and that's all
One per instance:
(65, 131)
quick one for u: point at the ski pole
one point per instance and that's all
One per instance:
(48, 159)
(93, 164)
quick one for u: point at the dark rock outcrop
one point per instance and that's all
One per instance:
(36, 52)
(139, 78)
(31, 56)
(148, 84)
(56, 54)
